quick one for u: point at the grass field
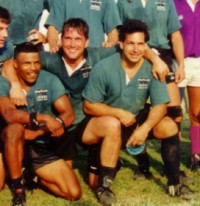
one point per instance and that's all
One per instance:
(129, 192)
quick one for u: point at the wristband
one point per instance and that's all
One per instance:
(61, 121)
(33, 120)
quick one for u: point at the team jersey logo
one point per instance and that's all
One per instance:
(41, 95)
(160, 5)
(143, 83)
(95, 5)
(86, 71)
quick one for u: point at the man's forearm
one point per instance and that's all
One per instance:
(178, 47)
(155, 116)
(113, 36)
(52, 38)
(151, 55)
(100, 109)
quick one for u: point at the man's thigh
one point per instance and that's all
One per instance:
(99, 127)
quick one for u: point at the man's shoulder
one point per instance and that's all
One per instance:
(45, 75)
(94, 55)
(50, 60)
(48, 55)
(109, 59)
(109, 65)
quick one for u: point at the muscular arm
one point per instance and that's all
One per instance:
(112, 39)
(62, 105)
(52, 39)
(17, 95)
(99, 109)
(178, 49)
(140, 133)
(64, 108)
(159, 68)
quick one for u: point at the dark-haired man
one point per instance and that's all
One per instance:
(120, 85)
(44, 118)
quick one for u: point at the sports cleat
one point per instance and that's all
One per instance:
(31, 180)
(105, 196)
(19, 197)
(142, 175)
(180, 190)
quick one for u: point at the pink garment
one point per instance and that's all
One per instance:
(195, 139)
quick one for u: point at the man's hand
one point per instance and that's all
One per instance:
(53, 47)
(36, 37)
(32, 134)
(126, 117)
(160, 70)
(139, 136)
(107, 44)
(17, 95)
(53, 125)
(179, 74)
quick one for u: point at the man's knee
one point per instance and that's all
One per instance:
(75, 193)
(166, 128)
(113, 128)
(13, 132)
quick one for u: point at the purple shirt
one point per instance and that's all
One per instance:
(190, 30)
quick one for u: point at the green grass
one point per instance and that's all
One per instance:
(128, 191)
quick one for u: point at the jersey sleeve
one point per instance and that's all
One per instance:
(95, 89)
(48, 61)
(5, 87)
(48, 4)
(173, 21)
(56, 15)
(120, 6)
(111, 17)
(158, 93)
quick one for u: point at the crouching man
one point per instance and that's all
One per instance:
(44, 118)
(120, 85)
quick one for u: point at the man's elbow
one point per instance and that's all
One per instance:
(8, 115)
(86, 107)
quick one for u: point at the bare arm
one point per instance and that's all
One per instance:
(17, 95)
(159, 67)
(52, 39)
(64, 108)
(99, 109)
(178, 49)
(13, 115)
(112, 39)
(140, 133)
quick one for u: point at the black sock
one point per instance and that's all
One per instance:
(170, 150)
(143, 162)
(94, 159)
(107, 175)
(17, 183)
